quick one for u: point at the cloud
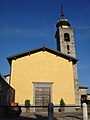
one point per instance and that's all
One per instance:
(18, 32)
(15, 32)
(85, 66)
(82, 33)
(83, 28)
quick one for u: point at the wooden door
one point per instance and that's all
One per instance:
(42, 97)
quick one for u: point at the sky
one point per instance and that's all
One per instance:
(30, 24)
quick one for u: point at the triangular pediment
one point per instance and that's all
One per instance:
(10, 58)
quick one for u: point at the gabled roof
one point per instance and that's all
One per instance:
(6, 75)
(44, 48)
(4, 83)
(83, 87)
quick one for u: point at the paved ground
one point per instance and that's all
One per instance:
(44, 116)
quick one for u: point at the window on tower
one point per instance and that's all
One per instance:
(58, 44)
(68, 52)
(68, 48)
(66, 37)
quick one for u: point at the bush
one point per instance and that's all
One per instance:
(62, 104)
(27, 103)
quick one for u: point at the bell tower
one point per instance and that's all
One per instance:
(65, 44)
(65, 37)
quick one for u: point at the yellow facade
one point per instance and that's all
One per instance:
(42, 67)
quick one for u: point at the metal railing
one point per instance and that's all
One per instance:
(52, 112)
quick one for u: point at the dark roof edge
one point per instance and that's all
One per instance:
(10, 58)
(6, 75)
(83, 87)
(4, 81)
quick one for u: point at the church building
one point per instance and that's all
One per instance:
(45, 75)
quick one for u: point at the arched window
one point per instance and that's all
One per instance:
(66, 37)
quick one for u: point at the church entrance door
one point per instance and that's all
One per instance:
(42, 98)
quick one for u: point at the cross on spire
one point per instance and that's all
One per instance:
(62, 14)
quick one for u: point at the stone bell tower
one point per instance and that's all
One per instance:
(65, 44)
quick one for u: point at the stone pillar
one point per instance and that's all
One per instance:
(85, 112)
(50, 111)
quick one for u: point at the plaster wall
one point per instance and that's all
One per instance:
(42, 67)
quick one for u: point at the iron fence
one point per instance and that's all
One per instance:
(42, 112)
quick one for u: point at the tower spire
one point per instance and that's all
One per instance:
(62, 14)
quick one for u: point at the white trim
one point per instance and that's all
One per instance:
(41, 84)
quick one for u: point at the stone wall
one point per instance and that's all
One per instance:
(6, 92)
